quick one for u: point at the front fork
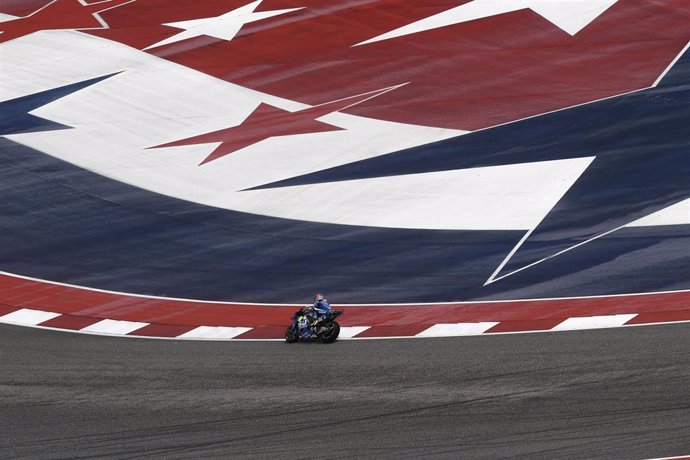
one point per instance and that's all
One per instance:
(303, 325)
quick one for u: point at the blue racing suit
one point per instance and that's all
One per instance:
(318, 309)
(322, 306)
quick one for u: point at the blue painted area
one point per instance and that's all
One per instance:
(641, 142)
(14, 113)
(63, 223)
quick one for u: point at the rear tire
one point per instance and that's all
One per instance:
(292, 334)
(331, 333)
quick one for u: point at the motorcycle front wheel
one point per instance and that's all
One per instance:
(292, 334)
(331, 332)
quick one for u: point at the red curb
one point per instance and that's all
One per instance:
(7, 309)
(81, 307)
(71, 322)
(660, 317)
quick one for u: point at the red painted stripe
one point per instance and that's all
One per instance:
(661, 317)
(162, 330)
(519, 326)
(548, 68)
(71, 322)
(7, 309)
(395, 331)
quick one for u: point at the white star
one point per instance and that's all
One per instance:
(225, 26)
(570, 15)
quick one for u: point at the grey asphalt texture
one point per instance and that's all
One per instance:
(616, 393)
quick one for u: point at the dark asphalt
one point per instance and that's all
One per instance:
(618, 393)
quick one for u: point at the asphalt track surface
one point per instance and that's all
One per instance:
(617, 393)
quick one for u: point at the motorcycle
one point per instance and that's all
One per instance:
(325, 328)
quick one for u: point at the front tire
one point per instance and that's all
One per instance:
(292, 334)
(331, 333)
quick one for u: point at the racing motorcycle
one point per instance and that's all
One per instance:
(324, 328)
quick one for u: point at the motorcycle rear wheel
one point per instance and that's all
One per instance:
(331, 332)
(292, 334)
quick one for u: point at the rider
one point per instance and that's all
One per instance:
(321, 304)
(315, 311)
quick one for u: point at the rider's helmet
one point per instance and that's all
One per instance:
(318, 297)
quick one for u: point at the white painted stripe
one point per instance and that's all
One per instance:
(681, 457)
(677, 214)
(593, 322)
(491, 280)
(351, 331)
(456, 329)
(28, 317)
(111, 326)
(214, 333)
(7, 17)
(113, 120)
(491, 197)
